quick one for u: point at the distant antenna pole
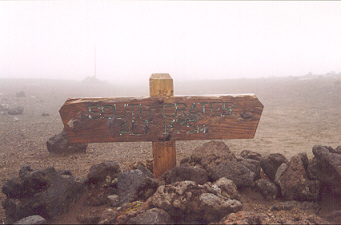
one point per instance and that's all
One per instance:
(95, 61)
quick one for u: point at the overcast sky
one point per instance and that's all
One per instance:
(188, 40)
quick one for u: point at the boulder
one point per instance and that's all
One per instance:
(182, 173)
(267, 189)
(270, 163)
(235, 171)
(186, 201)
(134, 185)
(326, 167)
(104, 173)
(60, 144)
(209, 155)
(152, 216)
(294, 182)
(47, 193)
(16, 111)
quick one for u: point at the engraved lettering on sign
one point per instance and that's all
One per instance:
(178, 118)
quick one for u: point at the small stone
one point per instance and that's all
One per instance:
(35, 219)
(267, 189)
(20, 94)
(16, 111)
(114, 200)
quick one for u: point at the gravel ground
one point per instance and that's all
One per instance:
(298, 113)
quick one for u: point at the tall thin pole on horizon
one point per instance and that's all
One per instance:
(95, 61)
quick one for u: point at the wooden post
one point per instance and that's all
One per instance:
(164, 152)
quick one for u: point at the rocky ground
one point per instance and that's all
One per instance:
(298, 114)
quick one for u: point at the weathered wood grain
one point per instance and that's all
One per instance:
(88, 120)
(164, 152)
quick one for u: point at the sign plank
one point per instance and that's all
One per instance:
(89, 120)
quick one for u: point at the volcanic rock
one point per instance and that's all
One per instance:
(209, 155)
(267, 189)
(235, 171)
(326, 167)
(186, 201)
(294, 182)
(152, 216)
(270, 164)
(104, 172)
(182, 173)
(134, 185)
(60, 144)
(47, 193)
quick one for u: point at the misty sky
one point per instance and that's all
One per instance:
(188, 40)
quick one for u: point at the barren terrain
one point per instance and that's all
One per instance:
(298, 113)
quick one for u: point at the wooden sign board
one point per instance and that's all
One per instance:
(89, 120)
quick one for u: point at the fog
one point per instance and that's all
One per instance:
(189, 40)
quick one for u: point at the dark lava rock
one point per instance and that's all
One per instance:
(326, 167)
(182, 173)
(60, 144)
(186, 201)
(152, 216)
(235, 171)
(209, 155)
(134, 185)
(253, 165)
(267, 189)
(13, 188)
(270, 164)
(104, 172)
(294, 182)
(16, 111)
(247, 154)
(47, 193)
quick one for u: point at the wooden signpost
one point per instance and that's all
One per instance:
(161, 118)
